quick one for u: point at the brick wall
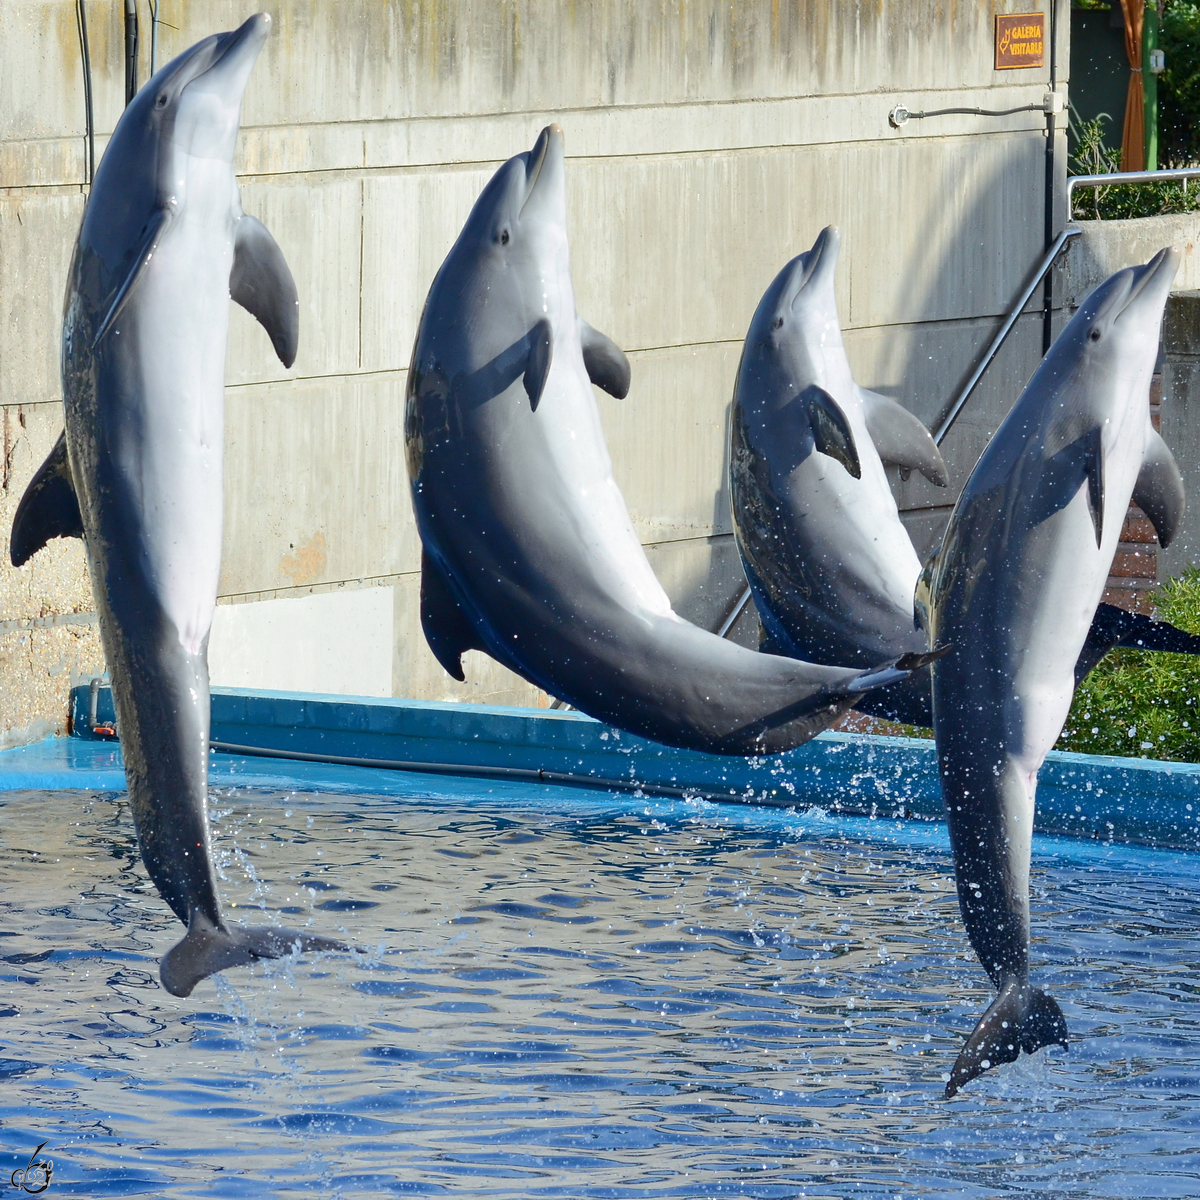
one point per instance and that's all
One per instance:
(1134, 574)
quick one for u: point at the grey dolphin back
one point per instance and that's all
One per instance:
(1016, 587)
(529, 550)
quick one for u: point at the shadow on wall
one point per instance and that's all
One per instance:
(959, 262)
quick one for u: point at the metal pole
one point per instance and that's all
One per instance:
(1051, 162)
(85, 54)
(1014, 313)
(731, 620)
(131, 49)
(153, 5)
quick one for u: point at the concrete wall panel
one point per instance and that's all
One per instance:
(37, 236)
(410, 221)
(339, 642)
(317, 222)
(317, 489)
(708, 144)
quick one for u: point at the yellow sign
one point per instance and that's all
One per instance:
(1020, 40)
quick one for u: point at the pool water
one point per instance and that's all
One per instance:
(573, 995)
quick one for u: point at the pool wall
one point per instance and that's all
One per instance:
(1138, 801)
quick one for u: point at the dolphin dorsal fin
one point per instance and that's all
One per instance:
(901, 439)
(606, 364)
(1159, 489)
(447, 630)
(830, 428)
(49, 508)
(261, 282)
(537, 366)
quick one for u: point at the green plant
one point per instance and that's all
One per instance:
(1140, 704)
(1113, 203)
(1179, 84)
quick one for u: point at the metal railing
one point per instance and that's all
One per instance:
(956, 405)
(1120, 178)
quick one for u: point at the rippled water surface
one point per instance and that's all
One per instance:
(583, 997)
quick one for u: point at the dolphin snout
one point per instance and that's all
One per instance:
(544, 167)
(819, 264)
(1153, 281)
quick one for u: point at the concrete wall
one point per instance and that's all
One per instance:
(708, 143)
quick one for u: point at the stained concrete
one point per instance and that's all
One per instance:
(707, 142)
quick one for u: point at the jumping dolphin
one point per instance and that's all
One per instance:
(529, 551)
(162, 247)
(1015, 588)
(830, 565)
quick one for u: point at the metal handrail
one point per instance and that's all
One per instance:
(956, 406)
(1119, 178)
(736, 612)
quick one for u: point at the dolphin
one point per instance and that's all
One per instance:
(138, 472)
(529, 553)
(831, 567)
(1015, 588)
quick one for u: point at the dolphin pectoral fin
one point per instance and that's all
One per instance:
(446, 627)
(261, 282)
(1094, 465)
(537, 368)
(154, 230)
(901, 439)
(606, 364)
(1020, 1018)
(831, 431)
(207, 948)
(49, 508)
(1159, 489)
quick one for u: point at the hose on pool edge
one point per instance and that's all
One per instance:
(529, 774)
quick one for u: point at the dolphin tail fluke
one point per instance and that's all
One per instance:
(1020, 1018)
(901, 669)
(208, 948)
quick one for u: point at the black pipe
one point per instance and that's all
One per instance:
(526, 774)
(131, 49)
(85, 55)
(1049, 222)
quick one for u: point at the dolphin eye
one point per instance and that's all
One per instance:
(504, 237)
(777, 323)
(1094, 335)
(161, 100)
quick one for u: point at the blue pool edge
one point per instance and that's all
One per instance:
(1121, 800)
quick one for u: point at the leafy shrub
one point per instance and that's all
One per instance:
(1140, 704)
(1179, 84)
(1093, 157)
